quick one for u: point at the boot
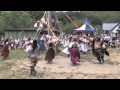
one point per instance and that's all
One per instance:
(102, 60)
(32, 69)
(3, 58)
(99, 60)
(50, 61)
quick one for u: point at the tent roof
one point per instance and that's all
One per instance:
(86, 27)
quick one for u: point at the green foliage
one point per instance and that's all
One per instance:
(2, 24)
(68, 28)
(20, 19)
(24, 19)
(20, 56)
(96, 18)
(16, 19)
(36, 14)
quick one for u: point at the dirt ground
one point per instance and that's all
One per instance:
(62, 69)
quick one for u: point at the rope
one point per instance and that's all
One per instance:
(51, 29)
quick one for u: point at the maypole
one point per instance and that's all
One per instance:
(40, 22)
(50, 26)
(49, 22)
(58, 24)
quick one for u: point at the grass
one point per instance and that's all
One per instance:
(18, 54)
(6, 65)
(23, 73)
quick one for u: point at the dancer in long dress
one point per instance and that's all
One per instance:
(66, 50)
(5, 49)
(84, 47)
(50, 55)
(74, 51)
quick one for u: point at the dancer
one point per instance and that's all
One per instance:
(98, 48)
(84, 46)
(33, 53)
(5, 49)
(74, 51)
(50, 55)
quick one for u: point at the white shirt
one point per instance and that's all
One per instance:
(70, 45)
(31, 53)
(16, 41)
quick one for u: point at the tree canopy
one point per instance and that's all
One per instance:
(21, 19)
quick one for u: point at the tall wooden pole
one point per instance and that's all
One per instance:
(60, 29)
(50, 23)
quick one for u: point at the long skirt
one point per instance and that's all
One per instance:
(5, 51)
(75, 55)
(66, 51)
(84, 47)
(50, 55)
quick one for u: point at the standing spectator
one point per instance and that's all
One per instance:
(16, 43)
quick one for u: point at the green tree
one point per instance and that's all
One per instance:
(17, 19)
(2, 24)
(36, 14)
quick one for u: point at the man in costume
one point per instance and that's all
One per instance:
(98, 48)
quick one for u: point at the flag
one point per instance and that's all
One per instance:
(44, 20)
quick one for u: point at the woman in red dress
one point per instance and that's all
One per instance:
(5, 50)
